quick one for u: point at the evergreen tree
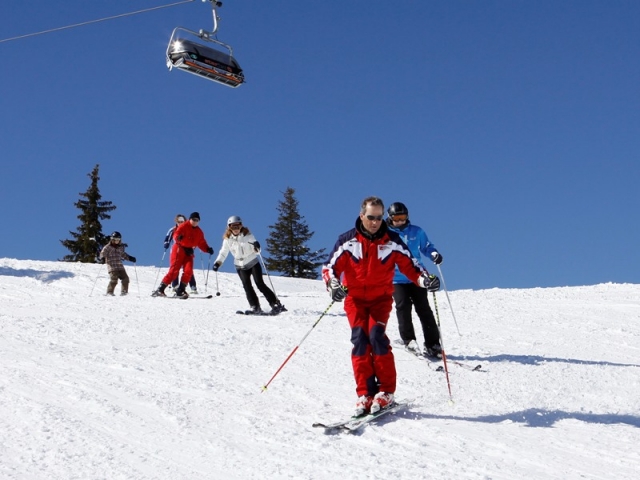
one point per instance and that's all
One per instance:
(88, 239)
(287, 242)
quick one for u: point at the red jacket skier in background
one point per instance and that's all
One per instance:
(363, 262)
(187, 237)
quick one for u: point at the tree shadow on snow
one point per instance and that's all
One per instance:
(535, 417)
(43, 276)
(535, 360)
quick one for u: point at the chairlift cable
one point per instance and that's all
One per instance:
(95, 21)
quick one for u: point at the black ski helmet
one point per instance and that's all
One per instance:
(397, 208)
(116, 235)
(233, 219)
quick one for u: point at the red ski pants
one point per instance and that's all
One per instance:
(374, 367)
(179, 259)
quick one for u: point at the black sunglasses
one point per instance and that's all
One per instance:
(375, 217)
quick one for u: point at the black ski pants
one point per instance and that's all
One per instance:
(256, 273)
(407, 295)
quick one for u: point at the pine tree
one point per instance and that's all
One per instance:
(287, 242)
(88, 238)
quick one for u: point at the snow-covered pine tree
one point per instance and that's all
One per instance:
(288, 242)
(88, 239)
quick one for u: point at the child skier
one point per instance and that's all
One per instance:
(113, 253)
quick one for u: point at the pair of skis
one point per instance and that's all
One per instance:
(239, 312)
(190, 297)
(260, 313)
(440, 368)
(354, 424)
(274, 311)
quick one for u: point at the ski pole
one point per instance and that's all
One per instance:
(448, 300)
(137, 282)
(217, 289)
(264, 388)
(96, 280)
(206, 279)
(201, 268)
(444, 355)
(158, 271)
(267, 272)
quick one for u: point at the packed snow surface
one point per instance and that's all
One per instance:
(135, 387)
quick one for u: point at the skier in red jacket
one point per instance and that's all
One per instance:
(360, 268)
(187, 236)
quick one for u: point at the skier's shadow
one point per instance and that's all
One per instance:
(42, 275)
(534, 360)
(535, 417)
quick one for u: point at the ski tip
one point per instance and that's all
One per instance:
(331, 429)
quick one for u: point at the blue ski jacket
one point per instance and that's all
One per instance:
(416, 239)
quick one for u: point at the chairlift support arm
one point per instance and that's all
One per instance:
(214, 4)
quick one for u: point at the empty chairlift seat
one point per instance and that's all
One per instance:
(203, 60)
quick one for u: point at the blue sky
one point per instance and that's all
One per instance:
(510, 129)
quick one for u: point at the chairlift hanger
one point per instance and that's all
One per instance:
(201, 59)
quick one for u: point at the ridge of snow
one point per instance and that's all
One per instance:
(140, 387)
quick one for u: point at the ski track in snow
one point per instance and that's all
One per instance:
(145, 388)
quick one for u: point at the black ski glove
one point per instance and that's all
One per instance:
(166, 245)
(256, 246)
(132, 259)
(210, 251)
(436, 257)
(215, 267)
(430, 282)
(336, 290)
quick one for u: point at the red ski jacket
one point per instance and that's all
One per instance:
(188, 236)
(366, 264)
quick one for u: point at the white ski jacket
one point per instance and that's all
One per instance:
(241, 247)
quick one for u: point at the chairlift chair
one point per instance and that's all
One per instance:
(205, 61)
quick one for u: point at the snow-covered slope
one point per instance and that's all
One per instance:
(142, 388)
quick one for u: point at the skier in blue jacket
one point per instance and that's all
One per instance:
(405, 293)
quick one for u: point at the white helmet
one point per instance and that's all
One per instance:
(234, 219)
